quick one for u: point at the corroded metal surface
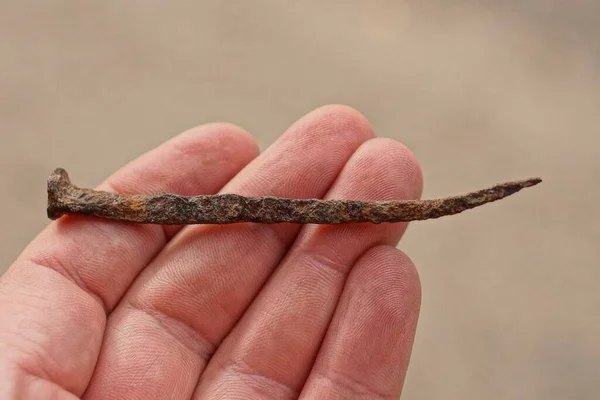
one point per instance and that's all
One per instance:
(171, 209)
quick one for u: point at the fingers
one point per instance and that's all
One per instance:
(193, 293)
(54, 299)
(273, 347)
(367, 348)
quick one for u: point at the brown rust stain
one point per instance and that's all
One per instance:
(171, 209)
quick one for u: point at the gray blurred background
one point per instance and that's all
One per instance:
(481, 91)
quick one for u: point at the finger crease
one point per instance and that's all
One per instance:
(178, 329)
(30, 376)
(259, 382)
(328, 262)
(72, 276)
(353, 386)
(33, 361)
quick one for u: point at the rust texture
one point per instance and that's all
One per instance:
(170, 209)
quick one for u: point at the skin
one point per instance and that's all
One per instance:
(98, 309)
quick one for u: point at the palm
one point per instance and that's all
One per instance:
(99, 309)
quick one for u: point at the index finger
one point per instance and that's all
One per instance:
(54, 298)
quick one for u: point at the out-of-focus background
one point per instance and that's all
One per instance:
(481, 91)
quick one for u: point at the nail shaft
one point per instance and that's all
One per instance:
(64, 198)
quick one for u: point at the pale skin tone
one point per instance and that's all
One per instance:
(98, 309)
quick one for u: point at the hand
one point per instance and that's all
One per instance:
(101, 309)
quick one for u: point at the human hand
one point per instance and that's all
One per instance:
(102, 309)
